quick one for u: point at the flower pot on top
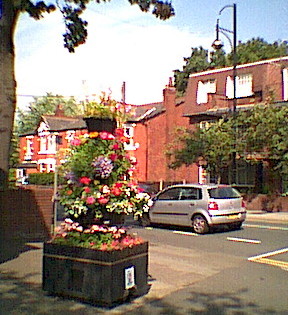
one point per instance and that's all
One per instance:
(100, 124)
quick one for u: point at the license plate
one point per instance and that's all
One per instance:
(233, 216)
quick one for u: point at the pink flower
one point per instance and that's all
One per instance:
(104, 246)
(76, 141)
(103, 200)
(90, 200)
(85, 180)
(104, 135)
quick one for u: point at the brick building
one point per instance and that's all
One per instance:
(209, 94)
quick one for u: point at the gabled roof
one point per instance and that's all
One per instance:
(62, 123)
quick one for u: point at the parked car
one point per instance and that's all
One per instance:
(198, 206)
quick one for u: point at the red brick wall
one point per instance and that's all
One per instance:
(27, 213)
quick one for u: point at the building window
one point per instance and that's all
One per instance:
(205, 87)
(204, 125)
(70, 135)
(243, 86)
(129, 133)
(285, 84)
(29, 149)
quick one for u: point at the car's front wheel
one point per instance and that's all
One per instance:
(144, 220)
(199, 224)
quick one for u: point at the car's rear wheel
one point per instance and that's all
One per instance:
(237, 226)
(199, 224)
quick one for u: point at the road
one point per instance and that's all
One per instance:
(226, 272)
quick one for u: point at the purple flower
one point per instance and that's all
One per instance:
(103, 167)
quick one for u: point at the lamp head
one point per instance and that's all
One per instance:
(217, 44)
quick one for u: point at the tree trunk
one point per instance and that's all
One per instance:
(7, 86)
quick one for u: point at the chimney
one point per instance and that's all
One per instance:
(59, 112)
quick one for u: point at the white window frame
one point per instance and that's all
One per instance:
(243, 86)
(205, 87)
(47, 165)
(285, 84)
(129, 133)
(29, 148)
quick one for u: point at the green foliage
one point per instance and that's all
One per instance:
(106, 108)
(198, 61)
(27, 120)
(258, 49)
(46, 179)
(257, 133)
(76, 28)
(251, 51)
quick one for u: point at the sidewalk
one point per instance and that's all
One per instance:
(21, 280)
(262, 216)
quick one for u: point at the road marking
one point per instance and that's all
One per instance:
(262, 259)
(279, 228)
(277, 263)
(269, 254)
(185, 233)
(243, 240)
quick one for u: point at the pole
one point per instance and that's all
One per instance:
(234, 164)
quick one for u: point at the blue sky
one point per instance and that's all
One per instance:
(125, 44)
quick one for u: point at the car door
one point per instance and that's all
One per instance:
(164, 207)
(190, 201)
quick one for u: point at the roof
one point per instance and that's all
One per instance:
(240, 66)
(146, 111)
(62, 123)
(218, 112)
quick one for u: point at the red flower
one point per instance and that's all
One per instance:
(113, 157)
(85, 180)
(116, 191)
(119, 132)
(118, 185)
(69, 192)
(87, 189)
(116, 146)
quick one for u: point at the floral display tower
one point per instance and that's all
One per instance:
(91, 258)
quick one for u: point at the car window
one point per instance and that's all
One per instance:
(190, 193)
(223, 193)
(170, 194)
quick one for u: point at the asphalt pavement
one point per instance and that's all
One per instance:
(21, 282)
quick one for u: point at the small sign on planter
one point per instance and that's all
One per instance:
(129, 277)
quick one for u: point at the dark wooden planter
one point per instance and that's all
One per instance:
(100, 124)
(104, 278)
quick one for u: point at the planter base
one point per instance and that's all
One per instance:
(93, 276)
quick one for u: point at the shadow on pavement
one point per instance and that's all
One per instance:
(10, 249)
(19, 296)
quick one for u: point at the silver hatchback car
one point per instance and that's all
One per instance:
(198, 206)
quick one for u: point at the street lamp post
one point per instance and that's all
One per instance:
(217, 44)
